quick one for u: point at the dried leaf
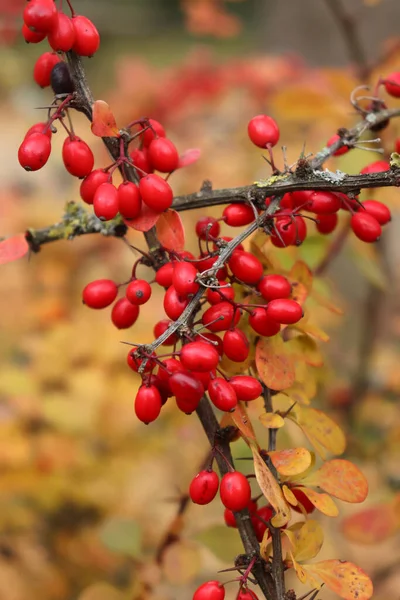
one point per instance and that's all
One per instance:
(341, 479)
(170, 231)
(291, 461)
(181, 562)
(103, 120)
(323, 433)
(322, 502)
(189, 157)
(344, 578)
(13, 248)
(145, 221)
(308, 539)
(372, 525)
(275, 363)
(271, 490)
(243, 423)
(271, 420)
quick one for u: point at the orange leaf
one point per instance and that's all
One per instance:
(271, 420)
(344, 578)
(291, 461)
(322, 502)
(13, 248)
(145, 221)
(103, 120)
(170, 231)
(241, 420)
(323, 433)
(189, 157)
(301, 273)
(275, 363)
(271, 490)
(341, 479)
(299, 293)
(372, 525)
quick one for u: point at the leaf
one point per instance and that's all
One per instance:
(103, 120)
(13, 248)
(189, 157)
(271, 420)
(243, 423)
(181, 562)
(341, 479)
(301, 273)
(322, 502)
(308, 538)
(300, 571)
(275, 363)
(223, 542)
(122, 536)
(145, 221)
(372, 525)
(305, 348)
(289, 496)
(299, 293)
(311, 329)
(323, 433)
(271, 490)
(344, 578)
(170, 231)
(291, 461)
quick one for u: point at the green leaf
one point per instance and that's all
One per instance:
(122, 536)
(223, 542)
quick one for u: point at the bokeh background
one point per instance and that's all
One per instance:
(86, 491)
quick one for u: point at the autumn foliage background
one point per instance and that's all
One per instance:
(86, 490)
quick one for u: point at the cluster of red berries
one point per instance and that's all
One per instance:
(214, 590)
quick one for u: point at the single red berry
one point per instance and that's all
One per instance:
(134, 362)
(392, 84)
(326, 223)
(43, 67)
(263, 131)
(164, 274)
(237, 215)
(77, 157)
(206, 261)
(105, 202)
(40, 15)
(323, 203)
(274, 286)
(211, 590)
(246, 594)
(100, 293)
(397, 146)
(301, 198)
(235, 491)
(365, 227)
(284, 232)
(341, 150)
(214, 339)
(247, 388)
(129, 201)
(203, 376)
(156, 130)
(91, 182)
(138, 292)
(220, 317)
(161, 327)
(183, 279)
(163, 155)
(148, 403)
(156, 193)
(141, 160)
(265, 513)
(62, 36)
(378, 210)
(262, 323)
(222, 394)
(349, 204)
(32, 37)
(236, 345)
(187, 389)
(168, 368)
(199, 356)
(246, 267)
(124, 314)
(229, 518)
(220, 294)
(285, 311)
(376, 167)
(34, 151)
(87, 38)
(204, 487)
(207, 227)
(39, 128)
(301, 230)
(174, 305)
(303, 500)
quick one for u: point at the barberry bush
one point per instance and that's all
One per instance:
(235, 340)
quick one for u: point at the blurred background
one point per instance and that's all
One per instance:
(87, 493)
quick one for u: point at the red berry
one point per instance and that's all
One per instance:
(237, 215)
(148, 403)
(140, 159)
(187, 389)
(174, 305)
(235, 491)
(214, 339)
(392, 84)
(323, 203)
(365, 227)
(183, 279)
(39, 128)
(263, 131)
(105, 202)
(124, 314)
(274, 286)
(43, 67)
(246, 594)
(138, 292)
(207, 227)
(134, 363)
(229, 518)
(376, 167)
(326, 223)
(170, 366)
(303, 500)
(199, 356)
(301, 230)
(62, 36)
(222, 394)
(78, 157)
(378, 210)
(259, 526)
(99, 293)
(150, 134)
(164, 275)
(160, 328)
(220, 317)
(203, 376)
(87, 39)
(236, 345)
(129, 201)
(341, 150)
(40, 15)
(247, 388)
(246, 267)
(206, 261)
(156, 193)
(397, 146)
(285, 311)
(284, 232)
(211, 590)
(262, 323)
(204, 487)
(34, 151)
(32, 37)
(220, 294)
(163, 155)
(91, 182)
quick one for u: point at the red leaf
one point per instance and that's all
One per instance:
(189, 157)
(103, 120)
(145, 221)
(13, 248)
(170, 231)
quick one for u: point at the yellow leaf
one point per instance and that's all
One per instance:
(323, 433)
(305, 379)
(311, 329)
(298, 394)
(271, 420)
(340, 478)
(275, 363)
(289, 496)
(308, 539)
(271, 490)
(344, 578)
(291, 461)
(305, 348)
(300, 572)
(322, 502)
(301, 273)
(299, 293)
